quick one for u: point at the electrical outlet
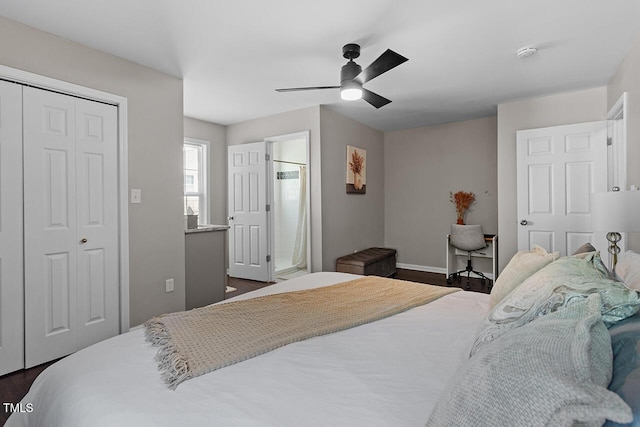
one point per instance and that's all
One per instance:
(169, 285)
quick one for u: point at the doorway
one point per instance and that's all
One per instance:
(269, 205)
(617, 146)
(290, 205)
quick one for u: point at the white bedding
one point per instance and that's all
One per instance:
(385, 373)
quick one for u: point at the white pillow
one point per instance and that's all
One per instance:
(520, 268)
(628, 270)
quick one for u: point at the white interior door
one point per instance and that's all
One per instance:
(97, 221)
(49, 226)
(248, 233)
(557, 170)
(11, 281)
(70, 224)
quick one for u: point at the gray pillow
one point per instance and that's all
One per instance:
(585, 248)
(551, 372)
(563, 282)
(625, 382)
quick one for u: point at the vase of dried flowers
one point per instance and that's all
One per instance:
(462, 201)
(356, 164)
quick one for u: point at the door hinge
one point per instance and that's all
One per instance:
(609, 141)
(266, 156)
(268, 208)
(268, 258)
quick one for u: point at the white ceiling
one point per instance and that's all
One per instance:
(232, 54)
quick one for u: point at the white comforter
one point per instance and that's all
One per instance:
(385, 373)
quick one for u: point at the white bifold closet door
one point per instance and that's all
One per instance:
(70, 224)
(11, 289)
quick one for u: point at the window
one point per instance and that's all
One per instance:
(195, 161)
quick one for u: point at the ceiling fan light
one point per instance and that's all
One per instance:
(351, 90)
(351, 94)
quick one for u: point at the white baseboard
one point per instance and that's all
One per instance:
(430, 269)
(426, 268)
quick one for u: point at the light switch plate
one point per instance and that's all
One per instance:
(169, 285)
(136, 195)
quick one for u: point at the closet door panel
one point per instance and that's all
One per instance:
(11, 289)
(50, 238)
(97, 222)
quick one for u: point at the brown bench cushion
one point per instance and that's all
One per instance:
(372, 261)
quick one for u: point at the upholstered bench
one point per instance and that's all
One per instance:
(369, 262)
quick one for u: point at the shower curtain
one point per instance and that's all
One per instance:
(300, 247)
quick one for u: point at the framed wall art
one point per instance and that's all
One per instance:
(356, 170)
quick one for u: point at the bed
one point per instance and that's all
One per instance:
(391, 372)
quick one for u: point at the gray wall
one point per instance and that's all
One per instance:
(422, 166)
(349, 221)
(217, 136)
(282, 124)
(627, 79)
(156, 239)
(554, 110)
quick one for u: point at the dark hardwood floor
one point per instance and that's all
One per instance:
(242, 286)
(438, 279)
(14, 386)
(441, 280)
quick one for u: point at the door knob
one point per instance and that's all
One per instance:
(84, 240)
(524, 222)
(230, 218)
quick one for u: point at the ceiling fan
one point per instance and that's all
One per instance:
(352, 77)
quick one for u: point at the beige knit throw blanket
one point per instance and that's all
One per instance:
(202, 340)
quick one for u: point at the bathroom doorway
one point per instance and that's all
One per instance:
(290, 207)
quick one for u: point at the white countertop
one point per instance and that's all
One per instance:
(207, 227)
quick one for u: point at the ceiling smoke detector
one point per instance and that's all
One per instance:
(526, 51)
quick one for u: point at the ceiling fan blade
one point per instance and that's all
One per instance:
(384, 63)
(374, 99)
(296, 89)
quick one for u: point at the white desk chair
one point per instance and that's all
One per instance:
(469, 238)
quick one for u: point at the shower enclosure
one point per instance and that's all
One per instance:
(289, 207)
